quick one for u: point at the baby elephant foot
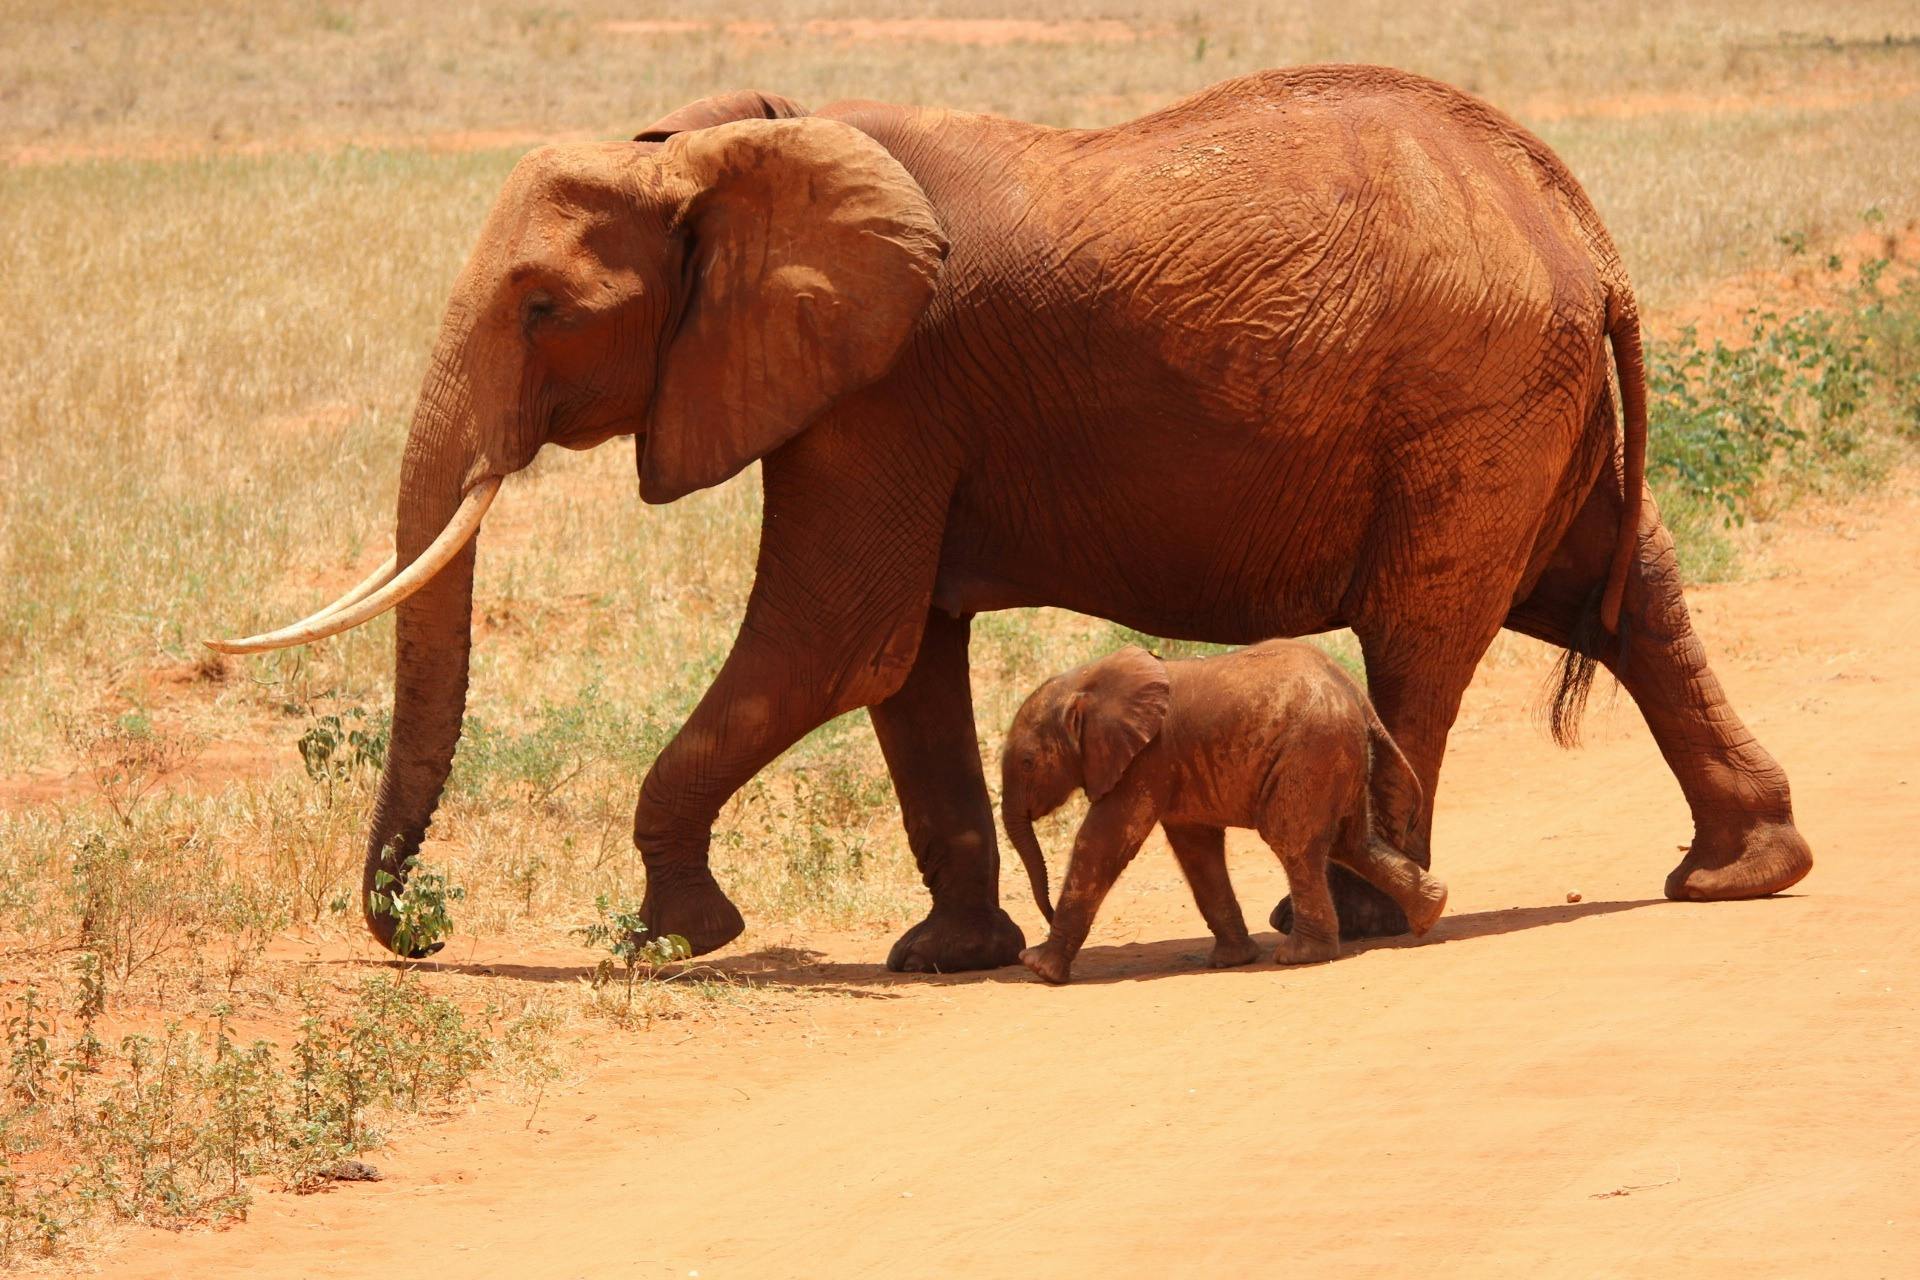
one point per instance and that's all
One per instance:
(1425, 905)
(1299, 948)
(1048, 964)
(1227, 954)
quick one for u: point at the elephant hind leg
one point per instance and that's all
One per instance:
(1202, 854)
(1302, 825)
(926, 732)
(1745, 844)
(1422, 637)
(1315, 936)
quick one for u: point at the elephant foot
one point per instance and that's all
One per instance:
(1750, 861)
(691, 904)
(1298, 948)
(1230, 954)
(1048, 964)
(1364, 911)
(952, 941)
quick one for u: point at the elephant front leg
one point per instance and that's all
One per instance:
(849, 545)
(926, 732)
(711, 757)
(771, 692)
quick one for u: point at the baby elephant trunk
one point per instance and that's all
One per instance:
(1020, 830)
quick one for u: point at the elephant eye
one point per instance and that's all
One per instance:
(538, 308)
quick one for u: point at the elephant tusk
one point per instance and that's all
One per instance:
(358, 606)
(360, 591)
(367, 586)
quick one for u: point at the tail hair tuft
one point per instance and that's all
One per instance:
(1573, 682)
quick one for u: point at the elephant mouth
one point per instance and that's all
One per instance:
(380, 591)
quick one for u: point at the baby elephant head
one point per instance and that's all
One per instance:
(1080, 729)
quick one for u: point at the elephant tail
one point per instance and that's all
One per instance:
(1600, 617)
(1623, 330)
(1395, 786)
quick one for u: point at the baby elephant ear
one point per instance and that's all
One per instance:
(1123, 702)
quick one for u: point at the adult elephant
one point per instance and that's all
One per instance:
(1312, 348)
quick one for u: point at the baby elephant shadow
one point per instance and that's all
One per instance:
(798, 969)
(1138, 961)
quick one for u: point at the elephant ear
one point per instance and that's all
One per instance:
(721, 108)
(811, 254)
(1120, 707)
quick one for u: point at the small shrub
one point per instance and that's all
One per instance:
(340, 746)
(618, 928)
(420, 907)
(126, 757)
(138, 895)
(177, 1127)
(524, 1049)
(311, 841)
(29, 1052)
(249, 913)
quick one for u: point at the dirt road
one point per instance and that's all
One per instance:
(1621, 1087)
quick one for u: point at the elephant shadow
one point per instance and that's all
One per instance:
(1160, 959)
(770, 969)
(801, 970)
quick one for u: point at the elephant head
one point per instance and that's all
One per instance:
(1079, 730)
(710, 295)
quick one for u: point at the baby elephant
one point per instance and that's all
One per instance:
(1274, 737)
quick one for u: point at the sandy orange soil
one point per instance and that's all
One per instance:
(1618, 1087)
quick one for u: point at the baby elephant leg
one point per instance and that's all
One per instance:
(1202, 852)
(1109, 837)
(1418, 893)
(1316, 925)
(1090, 873)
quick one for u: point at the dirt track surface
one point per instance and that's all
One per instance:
(1618, 1087)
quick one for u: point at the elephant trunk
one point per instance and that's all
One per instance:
(432, 636)
(1019, 824)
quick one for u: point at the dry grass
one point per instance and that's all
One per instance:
(1787, 117)
(219, 311)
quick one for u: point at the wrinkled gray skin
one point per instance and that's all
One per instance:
(1275, 737)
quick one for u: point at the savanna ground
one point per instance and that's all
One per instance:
(226, 232)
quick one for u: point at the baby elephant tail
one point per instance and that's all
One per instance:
(1396, 788)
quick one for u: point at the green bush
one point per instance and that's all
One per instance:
(1802, 402)
(420, 904)
(174, 1128)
